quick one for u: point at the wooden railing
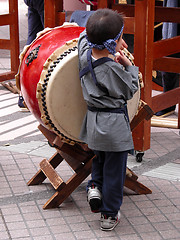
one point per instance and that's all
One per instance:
(11, 44)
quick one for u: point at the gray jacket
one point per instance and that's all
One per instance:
(106, 131)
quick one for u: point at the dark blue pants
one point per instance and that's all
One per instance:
(35, 18)
(108, 174)
(170, 81)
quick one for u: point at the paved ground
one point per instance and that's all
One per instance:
(22, 147)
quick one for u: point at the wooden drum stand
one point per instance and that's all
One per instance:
(79, 157)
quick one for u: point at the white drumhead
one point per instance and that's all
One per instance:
(64, 99)
(133, 104)
(65, 107)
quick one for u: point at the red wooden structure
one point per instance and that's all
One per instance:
(149, 55)
(11, 44)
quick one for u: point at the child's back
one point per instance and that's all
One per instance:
(106, 89)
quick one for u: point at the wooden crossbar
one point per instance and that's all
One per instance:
(166, 47)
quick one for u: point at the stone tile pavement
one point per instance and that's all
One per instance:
(155, 216)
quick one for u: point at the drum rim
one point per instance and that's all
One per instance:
(140, 85)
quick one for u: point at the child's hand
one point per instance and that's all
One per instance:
(124, 44)
(122, 59)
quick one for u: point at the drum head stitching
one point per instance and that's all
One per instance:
(43, 94)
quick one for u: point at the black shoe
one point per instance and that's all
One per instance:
(21, 104)
(94, 198)
(166, 112)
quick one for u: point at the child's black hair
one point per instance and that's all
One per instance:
(104, 24)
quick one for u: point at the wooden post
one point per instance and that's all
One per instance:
(54, 15)
(11, 44)
(143, 45)
(105, 4)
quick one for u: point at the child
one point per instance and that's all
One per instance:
(106, 85)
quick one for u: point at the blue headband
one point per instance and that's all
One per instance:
(109, 44)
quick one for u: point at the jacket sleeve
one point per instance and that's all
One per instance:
(82, 48)
(120, 82)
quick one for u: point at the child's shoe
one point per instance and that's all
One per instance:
(109, 223)
(94, 198)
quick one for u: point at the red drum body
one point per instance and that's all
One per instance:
(37, 63)
(35, 57)
(49, 81)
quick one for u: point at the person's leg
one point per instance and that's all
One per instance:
(39, 6)
(169, 81)
(34, 24)
(112, 191)
(94, 186)
(97, 170)
(114, 173)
